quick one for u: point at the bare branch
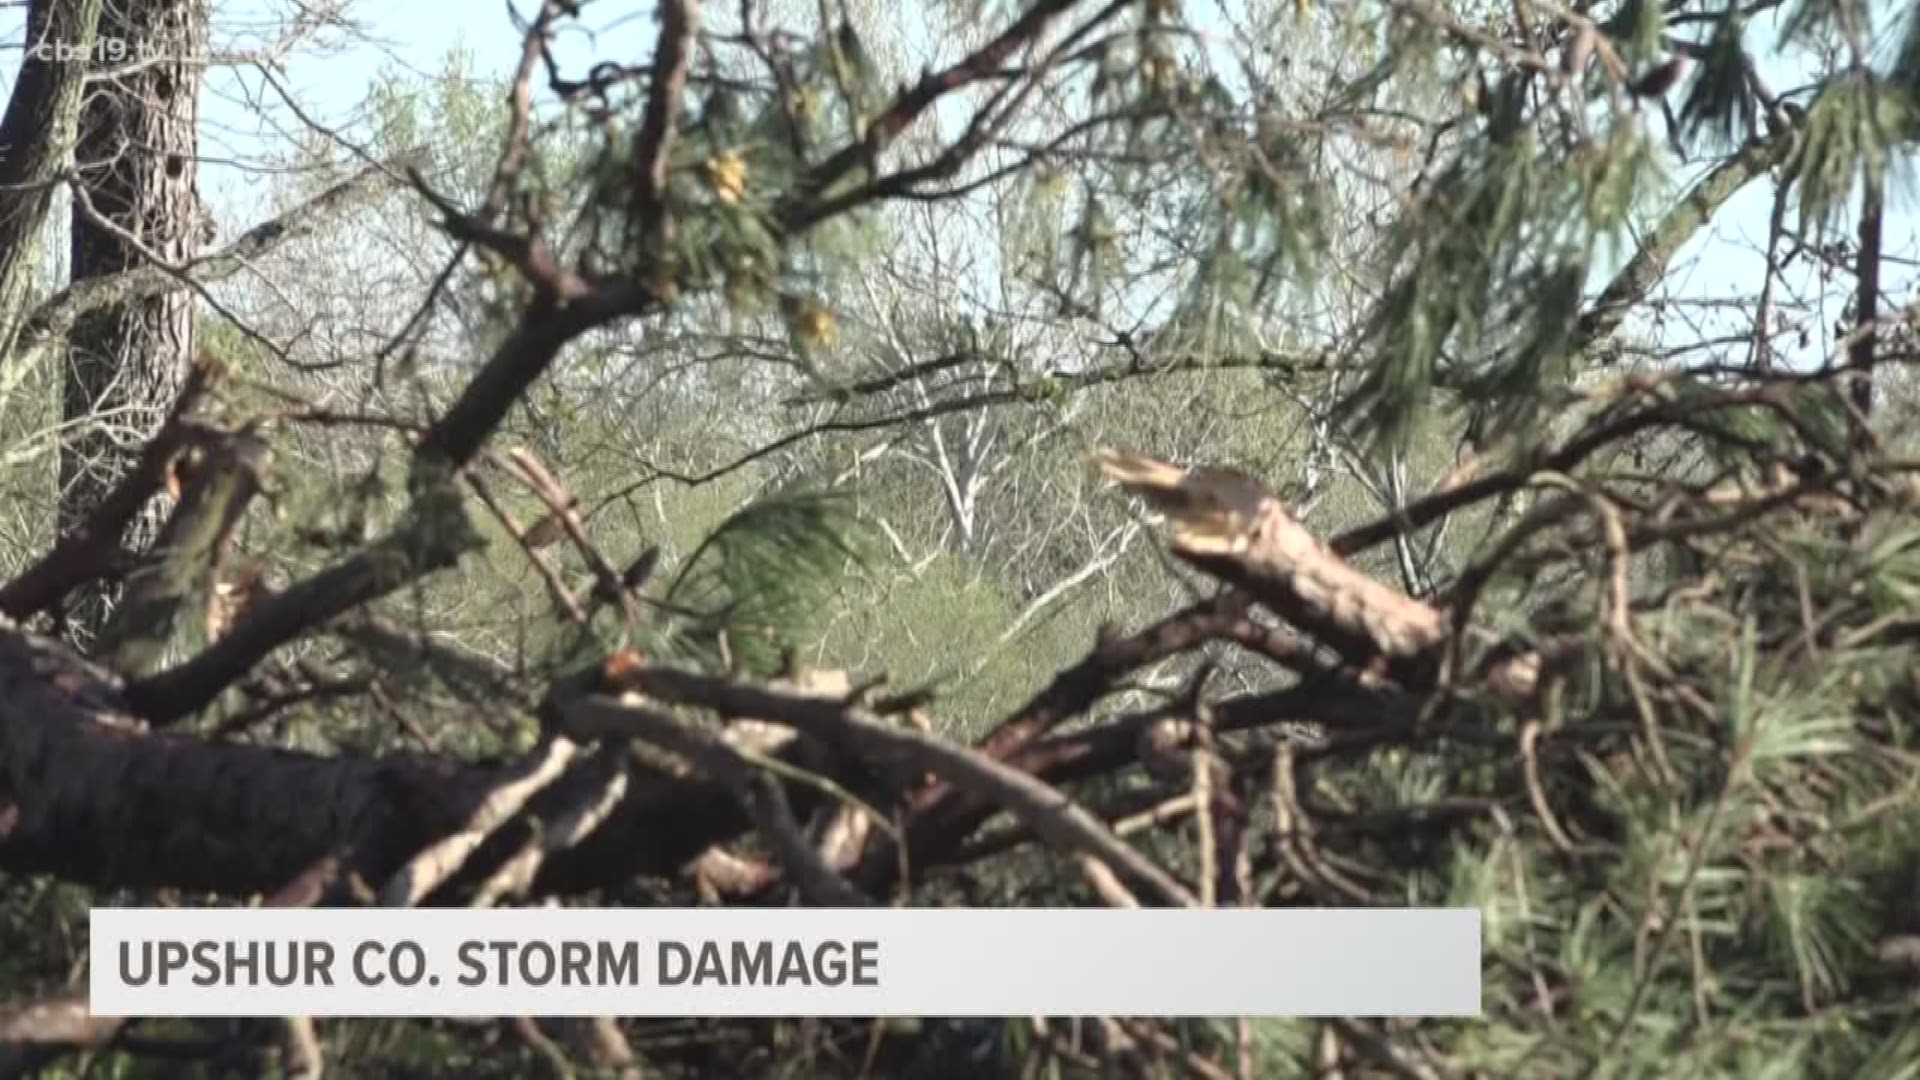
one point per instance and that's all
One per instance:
(87, 553)
(1056, 818)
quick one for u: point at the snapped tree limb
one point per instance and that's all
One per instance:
(1229, 526)
(1232, 528)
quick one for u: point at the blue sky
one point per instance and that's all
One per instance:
(332, 81)
(331, 78)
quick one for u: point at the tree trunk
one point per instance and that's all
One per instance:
(90, 796)
(36, 138)
(137, 199)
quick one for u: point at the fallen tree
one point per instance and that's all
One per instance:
(1654, 722)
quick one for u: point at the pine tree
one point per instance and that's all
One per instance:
(1491, 563)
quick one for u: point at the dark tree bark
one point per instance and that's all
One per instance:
(36, 139)
(137, 201)
(89, 795)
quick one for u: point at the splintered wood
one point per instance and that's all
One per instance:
(1229, 526)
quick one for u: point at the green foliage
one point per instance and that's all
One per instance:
(1719, 102)
(1817, 24)
(949, 629)
(1269, 249)
(1638, 26)
(1850, 135)
(764, 575)
(1801, 420)
(1493, 263)
(220, 339)
(1905, 72)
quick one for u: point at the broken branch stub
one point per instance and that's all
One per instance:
(1230, 527)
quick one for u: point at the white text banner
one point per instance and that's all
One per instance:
(948, 962)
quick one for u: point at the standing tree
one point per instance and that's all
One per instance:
(37, 134)
(135, 204)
